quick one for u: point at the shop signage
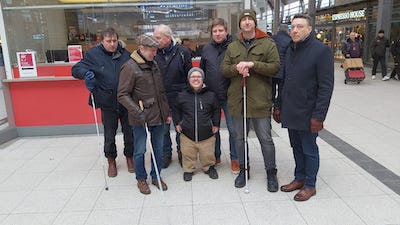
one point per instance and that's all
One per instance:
(74, 53)
(27, 64)
(349, 15)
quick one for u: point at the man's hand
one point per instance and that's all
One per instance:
(90, 80)
(243, 68)
(169, 120)
(277, 114)
(316, 125)
(215, 129)
(178, 128)
(142, 117)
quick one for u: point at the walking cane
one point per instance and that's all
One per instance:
(153, 156)
(246, 169)
(99, 141)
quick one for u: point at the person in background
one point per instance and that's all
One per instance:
(100, 69)
(306, 92)
(395, 50)
(211, 59)
(252, 59)
(141, 91)
(197, 117)
(378, 50)
(352, 48)
(175, 62)
(282, 40)
(188, 44)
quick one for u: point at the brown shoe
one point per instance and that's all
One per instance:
(304, 194)
(217, 161)
(164, 185)
(294, 185)
(235, 166)
(143, 187)
(129, 162)
(112, 167)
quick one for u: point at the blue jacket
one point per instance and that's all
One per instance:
(211, 58)
(282, 40)
(106, 67)
(307, 83)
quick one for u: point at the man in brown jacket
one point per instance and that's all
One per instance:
(142, 93)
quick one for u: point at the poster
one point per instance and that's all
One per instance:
(74, 53)
(27, 64)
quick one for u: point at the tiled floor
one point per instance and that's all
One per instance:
(59, 180)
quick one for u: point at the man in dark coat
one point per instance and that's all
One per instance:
(306, 93)
(378, 49)
(211, 59)
(175, 62)
(100, 69)
(353, 47)
(395, 50)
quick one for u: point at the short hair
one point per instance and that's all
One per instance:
(184, 39)
(283, 27)
(218, 21)
(303, 16)
(164, 29)
(108, 32)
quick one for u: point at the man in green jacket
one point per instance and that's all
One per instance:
(252, 58)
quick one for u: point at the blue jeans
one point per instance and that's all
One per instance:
(140, 139)
(262, 127)
(228, 120)
(167, 144)
(306, 156)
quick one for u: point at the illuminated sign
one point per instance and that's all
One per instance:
(349, 15)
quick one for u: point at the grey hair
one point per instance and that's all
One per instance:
(164, 29)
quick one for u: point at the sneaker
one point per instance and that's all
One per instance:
(240, 180)
(373, 77)
(235, 166)
(385, 78)
(272, 180)
(143, 187)
(212, 172)
(187, 176)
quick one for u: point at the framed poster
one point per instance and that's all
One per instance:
(74, 53)
(27, 64)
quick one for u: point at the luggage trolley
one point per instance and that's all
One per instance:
(353, 70)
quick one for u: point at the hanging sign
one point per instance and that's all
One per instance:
(27, 64)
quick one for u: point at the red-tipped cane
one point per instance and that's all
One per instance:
(246, 169)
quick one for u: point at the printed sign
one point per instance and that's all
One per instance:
(27, 64)
(74, 53)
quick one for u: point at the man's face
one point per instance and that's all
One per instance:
(352, 36)
(219, 33)
(247, 24)
(110, 43)
(163, 40)
(186, 44)
(381, 35)
(196, 80)
(300, 29)
(148, 52)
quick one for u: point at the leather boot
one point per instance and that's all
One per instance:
(272, 180)
(112, 167)
(129, 162)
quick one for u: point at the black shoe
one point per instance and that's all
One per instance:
(212, 172)
(240, 180)
(272, 180)
(187, 176)
(166, 161)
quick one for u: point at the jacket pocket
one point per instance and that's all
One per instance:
(103, 97)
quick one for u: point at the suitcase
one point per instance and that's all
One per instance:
(354, 75)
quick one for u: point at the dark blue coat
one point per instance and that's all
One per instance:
(211, 59)
(106, 67)
(282, 40)
(307, 83)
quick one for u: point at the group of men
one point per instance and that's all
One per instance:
(157, 84)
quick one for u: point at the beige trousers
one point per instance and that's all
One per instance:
(190, 149)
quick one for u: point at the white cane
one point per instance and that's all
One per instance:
(153, 155)
(246, 169)
(99, 142)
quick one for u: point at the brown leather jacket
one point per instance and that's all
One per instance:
(141, 80)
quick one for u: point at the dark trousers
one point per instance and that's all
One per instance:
(396, 69)
(110, 123)
(306, 156)
(382, 61)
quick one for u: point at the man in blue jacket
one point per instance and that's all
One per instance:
(174, 61)
(306, 94)
(100, 69)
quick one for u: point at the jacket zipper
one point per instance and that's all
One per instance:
(195, 119)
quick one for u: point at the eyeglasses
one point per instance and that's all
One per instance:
(196, 77)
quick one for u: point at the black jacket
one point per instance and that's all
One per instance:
(211, 58)
(307, 83)
(282, 40)
(197, 113)
(378, 47)
(106, 67)
(395, 48)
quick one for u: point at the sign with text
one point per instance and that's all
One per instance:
(74, 53)
(27, 64)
